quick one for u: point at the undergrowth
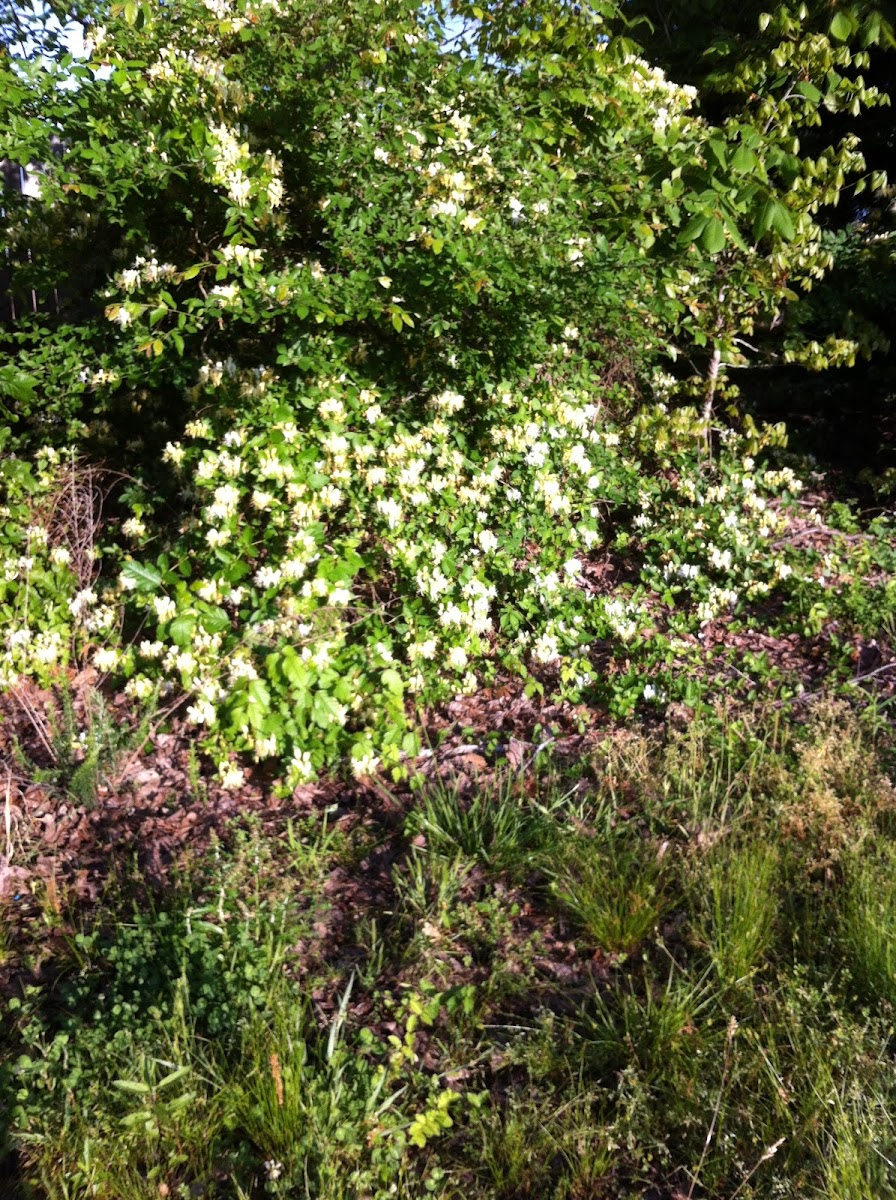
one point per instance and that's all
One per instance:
(667, 971)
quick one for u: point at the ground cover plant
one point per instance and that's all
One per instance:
(446, 732)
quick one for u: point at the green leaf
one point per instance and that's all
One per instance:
(216, 621)
(763, 221)
(782, 222)
(718, 150)
(392, 681)
(176, 1074)
(397, 323)
(16, 384)
(258, 693)
(744, 160)
(810, 91)
(693, 230)
(142, 576)
(713, 239)
(841, 27)
(132, 1086)
(735, 234)
(181, 630)
(325, 710)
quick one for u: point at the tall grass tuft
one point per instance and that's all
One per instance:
(613, 891)
(740, 889)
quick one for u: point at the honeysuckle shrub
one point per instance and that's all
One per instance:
(337, 571)
(370, 322)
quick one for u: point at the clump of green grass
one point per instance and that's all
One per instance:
(737, 887)
(496, 826)
(612, 890)
(321, 1112)
(867, 924)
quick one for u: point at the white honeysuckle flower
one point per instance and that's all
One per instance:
(449, 401)
(106, 659)
(231, 776)
(268, 577)
(201, 713)
(275, 192)
(139, 688)
(301, 769)
(165, 608)
(364, 764)
(266, 747)
(133, 528)
(457, 658)
(545, 648)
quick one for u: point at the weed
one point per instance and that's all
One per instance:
(82, 744)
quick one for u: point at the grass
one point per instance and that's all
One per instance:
(672, 973)
(740, 886)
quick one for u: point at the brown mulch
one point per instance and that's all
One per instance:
(159, 811)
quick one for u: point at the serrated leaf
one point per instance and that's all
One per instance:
(782, 222)
(871, 30)
(216, 621)
(325, 710)
(744, 159)
(258, 693)
(142, 576)
(181, 630)
(763, 222)
(16, 384)
(693, 230)
(736, 236)
(718, 150)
